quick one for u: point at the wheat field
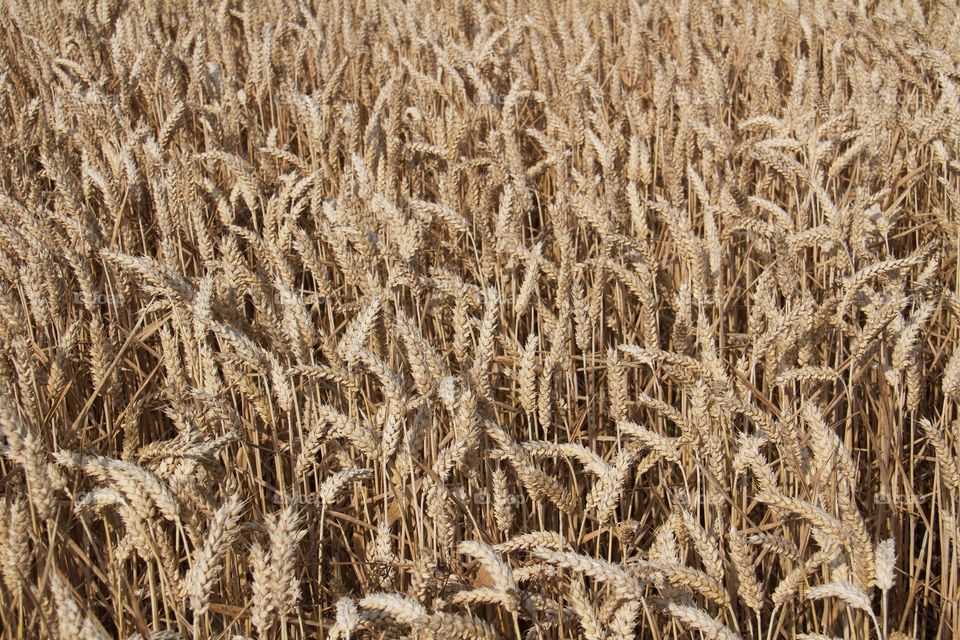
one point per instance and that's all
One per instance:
(370, 319)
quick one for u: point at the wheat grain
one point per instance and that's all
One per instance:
(562, 319)
(205, 569)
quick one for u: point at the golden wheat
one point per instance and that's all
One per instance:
(538, 319)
